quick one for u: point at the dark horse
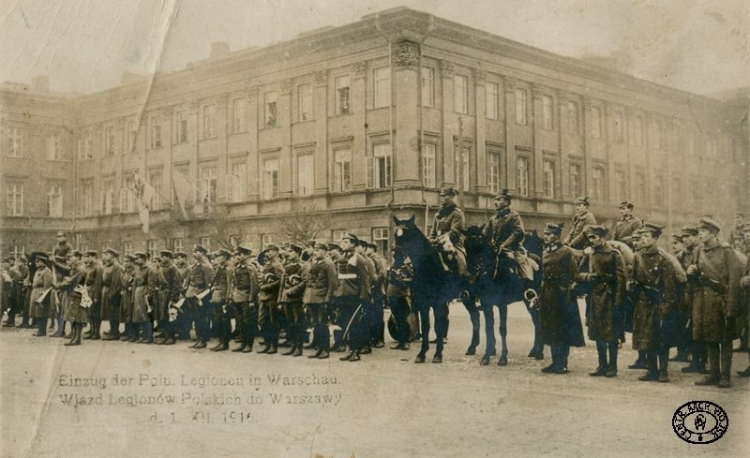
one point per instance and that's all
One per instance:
(433, 287)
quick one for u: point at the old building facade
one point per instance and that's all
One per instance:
(354, 124)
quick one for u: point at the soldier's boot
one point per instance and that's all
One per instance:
(222, 346)
(76, 335)
(612, 366)
(713, 363)
(317, 353)
(664, 366)
(601, 350)
(726, 364)
(95, 327)
(242, 347)
(297, 351)
(652, 374)
(41, 327)
(639, 363)
(11, 321)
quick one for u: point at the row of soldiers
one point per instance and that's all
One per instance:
(284, 290)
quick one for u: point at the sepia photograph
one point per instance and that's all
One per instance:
(360, 228)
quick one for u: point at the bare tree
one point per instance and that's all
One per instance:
(303, 225)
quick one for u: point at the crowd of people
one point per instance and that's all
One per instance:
(694, 299)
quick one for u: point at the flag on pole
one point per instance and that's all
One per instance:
(182, 191)
(144, 193)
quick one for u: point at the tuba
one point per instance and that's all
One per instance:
(530, 296)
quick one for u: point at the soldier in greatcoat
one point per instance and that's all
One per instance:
(449, 222)
(172, 294)
(696, 348)
(352, 292)
(41, 294)
(368, 312)
(141, 305)
(291, 290)
(506, 233)
(601, 276)
(745, 295)
(127, 289)
(714, 279)
(558, 311)
(198, 281)
(370, 250)
(245, 288)
(321, 280)
(627, 225)
(184, 320)
(582, 220)
(400, 277)
(111, 292)
(220, 297)
(269, 315)
(93, 282)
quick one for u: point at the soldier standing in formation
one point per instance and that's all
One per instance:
(321, 281)
(141, 308)
(745, 294)
(41, 289)
(245, 290)
(172, 293)
(220, 297)
(352, 293)
(290, 299)
(127, 279)
(198, 281)
(111, 293)
(582, 220)
(93, 282)
(75, 311)
(378, 294)
(269, 316)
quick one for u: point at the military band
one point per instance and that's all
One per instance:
(331, 297)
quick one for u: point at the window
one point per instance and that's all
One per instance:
(155, 180)
(640, 187)
(265, 240)
(18, 251)
(53, 147)
(598, 182)
(337, 235)
(132, 132)
(382, 89)
(572, 117)
(576, 180)
(521, 107)
(461, 94)
(493, 172)
(208, 185)
(84, 146)
(428, 165)
(178, 244)
(522, 175)
(53, 200)
(127, 248)
(209, 121)
(14, 199)
(15, 141)
(305, 174)
(638, 131)
(619, 127)
(127, 195)
(238, 109)
(596, 122)
(182, 127)
(109, 141)
(621, 187)
(342, 95)
(305, 102)
(342, 170)
(428, 87)
(206, 242)
(379, 166)
(380, 238)
(270, 178)
(465, 171)
(548, 170)
(547, 120)
(270, 100)
(88, 198)
(237, 182)
(492, 100)
(151, 248)
(108, 195)
(155, 132)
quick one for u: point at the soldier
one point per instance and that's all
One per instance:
(654, 290)
(352, 292)
(63, 247)
(245, 290)
(321, 280)
(505, 233)
(41, 294)
(184, 320)
(111, 293)
(172, 294)
(737, 229)
(676, 245)
(368, 312)
(400, 276)
(378, 294)
(127, 291)
(745, 285)
(450, 220)
(158, 309)
(93, 283)
(744, 336)
(198, 283)
(627, 225)
(13, 293)
(220, 297)
(141, 306)
(290, 298)
(683, 341)
(696, 348)
(583, 219)
(558, 312)
(268, 313)
(601, 276)
(76, 312)
(714, 276)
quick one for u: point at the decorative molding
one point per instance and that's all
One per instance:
(480, 76)
(510, 83)
(167, 112)
(406, 55)
(447, 69)
(285, 86)
(359, 69)
(539, 90)
(321, 77)
(251, 94)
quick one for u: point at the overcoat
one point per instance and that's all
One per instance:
(604, 270)
(558, 310)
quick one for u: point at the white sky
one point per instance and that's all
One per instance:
(85, 45)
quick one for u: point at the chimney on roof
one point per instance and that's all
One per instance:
(219, 49)
(40, 83)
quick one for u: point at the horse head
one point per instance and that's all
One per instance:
(408, 238)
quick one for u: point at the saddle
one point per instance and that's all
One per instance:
(447, 251)
(517, 262)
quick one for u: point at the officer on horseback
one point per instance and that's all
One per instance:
(448, 229)
(505, 233)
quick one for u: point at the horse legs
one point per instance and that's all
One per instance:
(424, 319)
(503, 307)
(471, 307)
(537, 351)
(489, 328)
(441, 329)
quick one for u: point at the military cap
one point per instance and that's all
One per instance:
(223, 252)
(296, 248)
(351, 237)
(311, 243)
(200, 248)
(43, 258)
(320, 246)
(710, 224)
(599, 230)
(61, 233)
(334, 246)
(262, 255)
(677, 238)
(652, 228)
(271, 247)
(128, 257)
(112, 251)
(689, 230)
(141, 255)
(583, 201)
(180, 254)
(553, 228)
(76, 253)
(241, 249)
(626, 204)
(166, 254)
(503, 194)
(448, 191)
(636, 235)
(93, 253)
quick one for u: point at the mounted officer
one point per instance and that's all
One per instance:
(449, 226)
(582, 220)
(505, 233)
(627, 225)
